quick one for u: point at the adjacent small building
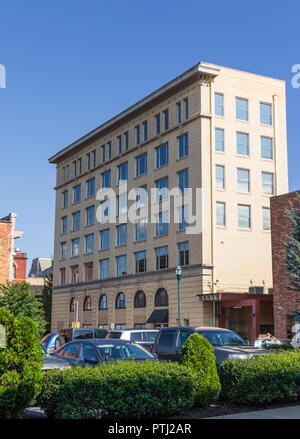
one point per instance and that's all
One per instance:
(12, 262)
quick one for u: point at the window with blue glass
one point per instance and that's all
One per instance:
(183, 218)
(90, 215)
(123, 172)
(121, 265)
(183, 253)
(219, 139)
(183, 146)
(220, 177)
(145, 130)
(75, 220)
(89, 243)
(137, 135)
(90, 188)
(119, 141)
(162, 155)
(108, 150)
(178, 112)
(140, 262)
(157, 124)
(162, 258)
(75, 247)
(76, 194)
(65, 199)
(183, 180)
(104, 239)
(166, 119)
(141, 164)
(104, 272)
(266, 113)
(126, 141)
(64, 223)
(242, 109)
(162, 224)
(141, 230)
(106, 180)
(242, 143)
(162, 186)
(122, 234)
(185, 108)
(219, 104)
(266, 144)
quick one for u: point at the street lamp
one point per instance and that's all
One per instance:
(178, 274)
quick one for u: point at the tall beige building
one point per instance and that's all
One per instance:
(213, 128)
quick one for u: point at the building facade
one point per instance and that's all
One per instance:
(286, 298)
(213, 128)
(12, 262)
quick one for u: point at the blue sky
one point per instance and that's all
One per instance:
(71, 65)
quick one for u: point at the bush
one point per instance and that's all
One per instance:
(20, 364)
(198, 355)
(262, 379)
(125, 389)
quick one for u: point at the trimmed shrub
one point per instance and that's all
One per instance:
(262, 379)
(125, 389)
(198, 355)
(20, 364)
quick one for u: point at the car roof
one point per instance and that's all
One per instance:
(196, 328)
(97, 340)
(134, 330)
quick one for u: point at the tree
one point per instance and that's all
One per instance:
(21, 302)
(47, 300)
(293, 247)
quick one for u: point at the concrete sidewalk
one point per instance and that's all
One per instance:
(292, 412)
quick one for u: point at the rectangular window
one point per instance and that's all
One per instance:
(243, 180)
(74, 274)
(266, 145)
(157, 124)
(108, 150)
(126, 141)
(219, 140)
(64, 223)
(219, 104)
(106, 180)
(183, 146)
(220, 214)
(89, 243)
(266, 215)
(122, 234)
(141, 230)
(145, 131)
(185, 109)
(162, 155)
(162, 224)
(88, 162)
(88, 271)
(75, 247)
(166, 119)
(79, 166)
(123, 172)
(183, 253)
(104, 239)
(62, 276)
(74, 169)
(63, 250)
(121, 266)
(67, 173)
(103, 153)
(90, 215)
(267, 183)
(183, 180)
(137, 135)
(242, 143)
(90, 188)
(104, 269)
(141, 165)
(266, 113)
(63, 174)
(242, 109)
(244, 216)
(178, 112)
(122, 204)
(183, 218)
(220, 177)
(65, 199)
(77, 194)
(162, 186)
(119, 141)
(76, 221)
(162, 258)
(141, 197)
(140, 262)
(94, 159)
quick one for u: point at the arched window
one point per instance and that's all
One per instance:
(161, 298)
(121, 301)
(103, 302)
(87, 305)
(140, 300)
(72, 304)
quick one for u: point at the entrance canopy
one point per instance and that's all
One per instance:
(159, 316)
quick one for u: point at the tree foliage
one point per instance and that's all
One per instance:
(293, 246)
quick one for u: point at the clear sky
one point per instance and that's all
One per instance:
(73, 64)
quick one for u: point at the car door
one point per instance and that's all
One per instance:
(70, 353)
(88, 355)
(183, 335)
(166, 346)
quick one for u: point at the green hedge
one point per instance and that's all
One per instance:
(198, 355)
(125, 389)
(20, 364)
(262, 379)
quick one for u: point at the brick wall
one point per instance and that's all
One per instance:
(283, 296)
(5, 243)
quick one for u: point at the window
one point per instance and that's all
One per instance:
(162, 155)
(219, 140)
(140, 300)
(141, 165)
(162, 189)
(220, 214)
(121, 266)
(74, 169)
(242, 143)
(64, 224)
(74, 274)
(183, 336)
(166, 119)
(161, 298)
(178, 112)
(141, 230)
(76, 194)
(75, 247)
(266, 145)
(183, 180)
(106, 180)
(123, 172)
(90, 188)
(267, 183)
(183, 146)
(122, 202)
(87, 304)
(242, 109)
(162, 259)
(104, 239)
(137, 135)
(243, 180)
(90, 215)
(167, 338)
(141, 197)
(88, 161)
(104, 269)
(183, 218)
(79, 166)
(122, 234)
(145, 131)
(219, 104)
(140, 262)
(103, 153)
(157, 124)
(162, 224)
(75, 220)
(220, 177)
(266, 215)
(126, 141)
(185, 108)
(103, 302)
(62, 276)
(119, 141)
(108, 150)
(63, 174)
(121, 301)
(88, 271)
(183, 253)
(63, 250)
(244, 219)
(89, 243)
(266, 113)
(65, 199)
(93, 159)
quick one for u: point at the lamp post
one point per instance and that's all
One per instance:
(178, 274)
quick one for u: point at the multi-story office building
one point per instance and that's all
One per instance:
(214, 128)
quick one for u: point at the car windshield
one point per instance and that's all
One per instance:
(223, 338)
(122, 351)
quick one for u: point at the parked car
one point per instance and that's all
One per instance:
(50, 362)
(143, 337)
(227, 344)
(267, 341)
(50, 342)
(68, 334)
(92, 352)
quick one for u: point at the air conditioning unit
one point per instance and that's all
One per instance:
(256, 290)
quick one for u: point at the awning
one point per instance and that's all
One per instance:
(159, 316)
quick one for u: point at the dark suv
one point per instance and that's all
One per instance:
(227, 344)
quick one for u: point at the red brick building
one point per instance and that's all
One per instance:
(285, 299)
(12, 263)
